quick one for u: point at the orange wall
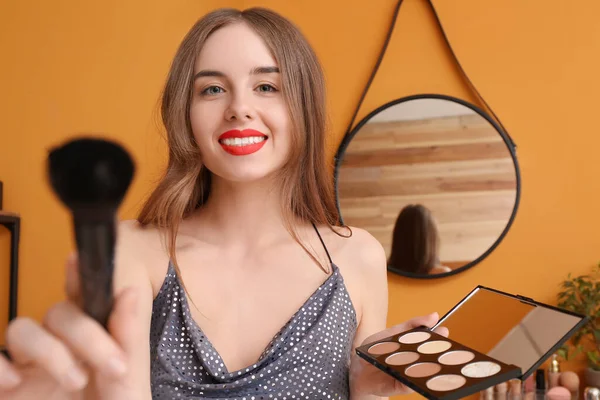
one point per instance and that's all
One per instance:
(71, 66)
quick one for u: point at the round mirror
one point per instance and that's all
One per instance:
(433, 178)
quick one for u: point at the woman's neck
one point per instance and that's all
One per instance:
(244, 213)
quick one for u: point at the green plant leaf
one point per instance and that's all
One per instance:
(581, 294)
(563, 353)
(597, 336)
(567, 284)
(576, 351)
(594, 359)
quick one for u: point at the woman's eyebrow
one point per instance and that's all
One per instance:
(264, 70)
(208, 72)
(253, 71)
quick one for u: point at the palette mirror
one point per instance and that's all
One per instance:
(433, 178)
(525, 334)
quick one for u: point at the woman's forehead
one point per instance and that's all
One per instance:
(235, 49)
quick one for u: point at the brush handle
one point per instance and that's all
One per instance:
(95, 241)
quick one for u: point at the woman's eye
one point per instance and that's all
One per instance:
(211, 90)
(266, 88)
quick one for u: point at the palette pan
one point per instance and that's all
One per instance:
(494, 337)
(432, 364)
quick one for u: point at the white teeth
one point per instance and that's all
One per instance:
(242, 141)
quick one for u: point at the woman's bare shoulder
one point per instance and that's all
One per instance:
(139, 239)
(361, 260)
(359, 249)
(140, 250)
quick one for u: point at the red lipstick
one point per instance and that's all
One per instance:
(241, 143)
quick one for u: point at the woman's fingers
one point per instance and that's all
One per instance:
(71, 348)
(69, 336)
(400, 389)
(9, 377)
(442, 330)
(123, 323)
(427, 321)
(87, 339)
(29, 344)
(72, 284)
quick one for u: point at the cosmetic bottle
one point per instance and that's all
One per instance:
(540, 385)
(591, 393)
(487, 394)
(515, 389)
(553, 372)
(570, 380)
(501, 391)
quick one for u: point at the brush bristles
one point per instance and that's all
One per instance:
(90, 172)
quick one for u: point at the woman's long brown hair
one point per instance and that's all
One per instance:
(305, 181)
(415, 241)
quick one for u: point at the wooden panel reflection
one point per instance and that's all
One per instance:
(457, 166)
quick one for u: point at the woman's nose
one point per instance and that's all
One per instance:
(240, 108)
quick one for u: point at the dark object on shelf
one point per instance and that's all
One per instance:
(12, 222)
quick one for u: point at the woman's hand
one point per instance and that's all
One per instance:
(70, 356)
(368, 380)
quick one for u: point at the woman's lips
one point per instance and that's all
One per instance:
(241, 143)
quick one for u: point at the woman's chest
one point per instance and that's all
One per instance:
(241, 309)
(308, 356)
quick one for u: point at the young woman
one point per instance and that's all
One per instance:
(235, 282)
(416, 242)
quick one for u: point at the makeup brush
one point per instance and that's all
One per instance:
(91, 177)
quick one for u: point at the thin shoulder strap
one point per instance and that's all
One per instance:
(323, 243)
(454, 57)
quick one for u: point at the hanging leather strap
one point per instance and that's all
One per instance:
(462, 71)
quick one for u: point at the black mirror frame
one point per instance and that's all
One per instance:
(507, 141)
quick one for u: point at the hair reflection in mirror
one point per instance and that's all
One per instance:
(415, 242)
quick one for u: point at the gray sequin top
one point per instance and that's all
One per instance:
(307, 359)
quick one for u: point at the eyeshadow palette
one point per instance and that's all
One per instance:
(435, 366)
(494, 337)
